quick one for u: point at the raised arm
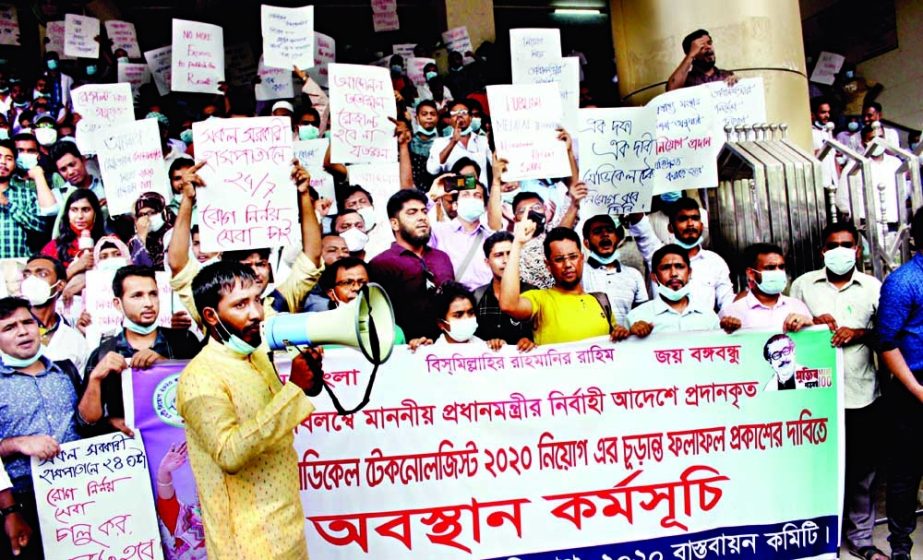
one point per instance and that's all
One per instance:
(180, 243)
(511, 301)
(495, 199)
(678, 78)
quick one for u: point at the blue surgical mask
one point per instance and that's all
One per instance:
(52, 64)
(424, 132)
(475, 124)
(672, 196)
(26, 161)
(91, 69)
(688, 246)
(605, 260)
(308, 132)
(671, 294)
(4, 134)
(853, 126)
(235, 343)
(122, 60)
(430, 75)
(186, 136)
(840, 260)
(397, 68)
(138, 329)
(20, 363)
(470, 209)
(508, 197)
(464, 131)
(774, 281)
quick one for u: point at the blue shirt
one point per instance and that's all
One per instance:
(900, 313)
(33, 405)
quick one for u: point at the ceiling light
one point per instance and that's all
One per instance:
(576, 12)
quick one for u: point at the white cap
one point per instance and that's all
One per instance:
(283, 105)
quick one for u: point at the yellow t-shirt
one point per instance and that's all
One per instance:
(561, 317)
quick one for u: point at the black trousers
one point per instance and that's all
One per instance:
(905, 464)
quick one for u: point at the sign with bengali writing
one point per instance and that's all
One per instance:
(534, 54)
(384, 15)
(198, 61)
(100, 106)
(415, 69)
(686, 144)
(827, 67)
(94, 499)
(275, 83)
(80, 33)
(311, 155)
(9, 25)
(240, 65)
(403, 49)
(325, 52)
(136, 74)
(250, 201)
(616, 159)
(525, 120)
(361, 101)
(288, 36)
(566, 73)
(744, 103)
(160, 61)
(123, 36)
(107, 318)
(54, 39)
(131, 163)
(458, 40)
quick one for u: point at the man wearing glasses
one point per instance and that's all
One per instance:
(462, 143)
(779, 351)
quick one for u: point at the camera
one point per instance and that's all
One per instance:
(459, 183)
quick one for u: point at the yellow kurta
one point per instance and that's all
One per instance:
(239, 432)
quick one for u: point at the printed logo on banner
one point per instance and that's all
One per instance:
(164, 402)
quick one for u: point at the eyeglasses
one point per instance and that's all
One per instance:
(459, 113)
(783, 352)
(355, 283)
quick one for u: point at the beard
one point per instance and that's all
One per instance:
(703, 65)
(411, 236)
(250, 334)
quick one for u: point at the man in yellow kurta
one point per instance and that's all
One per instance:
(239, 424)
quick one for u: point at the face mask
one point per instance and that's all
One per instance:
(397, 69)
(605, 260)
(112, 263)
(156, 222)
(46, 136)
(422, 131)
(853, 126)
(913, 146)
(840, 260)
(308, 132)
(122, 60)
(447, 131)
(673, 295)
(235, 343)
(355, 239)
(52, 64)
(91, 69)
(774, 281)
(36, 290)
(186, 136)
(430, 75)
(20, 363)
(673, 196)
(688, 246)
(470, 209)
(138, 329)
(461, 330)
(877, 151)
(4, 134)
(368, 216)
(508, 197)
(464, 132)
(21, 105)
(26, 161)
(475, 124)
(4, 90)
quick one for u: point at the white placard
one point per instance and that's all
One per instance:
(828, 64)
(100, 303)
(311, 152)
(381, 180)
(403, 49)
(275, 83)
(198, 61)
(9, 25)
(525, 121)
(240, 65)
(80, 33)
(136, 74)
(131, 163)
(384, 15)
(361, 101)
(566, 73)
(458, 40)
(94, 498)
(415, 69)
(123, 36)
(160, 62)
(533, 54)
(744, 103)
(617, 153)
(250, 201)
(54, 39)
(288, 37)
(325, 52)
(100, 106)
(686, 145)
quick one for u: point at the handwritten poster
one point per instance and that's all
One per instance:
(107, 319)
(160, 62)
(403, 49)
(198, 56)
(686, 123)
(744, 103)
(827, 67)
(240, 65)
(534, 53)
(250, 201)
(311, 155)
(275, 83)
(80, 34)
(382, 180)
(95, 498)
(54, 39)
(100, 106)
(131, 162)
(458, 40)
(9, 25)
(361, 101)
(136, 74)
(288, 37)
(525, 121)
(566, 73)
(325, 52)
(384, 15)
(123, 36)
(415, 69)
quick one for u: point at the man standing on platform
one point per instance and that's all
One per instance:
(698, 67)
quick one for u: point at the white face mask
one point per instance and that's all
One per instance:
(36, 290)
(840, 260)
(355, 239)
(112, 263)
(156, 222)
(462, 330)
(368, 216)
(46, 136)
(470, 209)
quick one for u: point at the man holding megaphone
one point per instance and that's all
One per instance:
(239, 423)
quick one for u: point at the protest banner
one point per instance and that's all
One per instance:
(9, 25)
(458, 40)
(94, 499)
(361, 101)
(250, 201)
(54, 39)
(275, 83)
(100, 106)
(381, 180)
(325, 51)
(384, 15)
(403, 49)
(240, 65)
(135, 74)
(198, 61)
(160, 61)
(80, 34)
(468, 453)
(744, 103)
(107, 318)
(123, 36)
(566, 73)
(534, 53)
(288, 36)
(311, 155)
(525, 121)
(616, 159)
(686, 145)
(827, 67)
(415, 69)
(131, 163)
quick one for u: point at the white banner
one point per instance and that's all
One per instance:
(80, 33)
(403, 49)
(457, 39)
(384, 15)
(275, 83)
(827, 67)
(100, 106)
(135, 74)
(123, 36)
(94, 499)
(250, 201)
(288, 37)
(9, 25)
(361, 101)
(745, 103)
(534, 54)
(131, 163)
(160, 61)
(54, 39)
(198, 61)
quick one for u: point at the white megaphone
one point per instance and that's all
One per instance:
(366, 323)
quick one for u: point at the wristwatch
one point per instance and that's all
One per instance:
(15, 508)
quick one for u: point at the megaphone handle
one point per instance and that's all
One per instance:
(376, 357)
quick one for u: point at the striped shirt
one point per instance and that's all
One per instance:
(623, 285)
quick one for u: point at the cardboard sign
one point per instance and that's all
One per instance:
(384, 15)
(275, 83)
(100, 106)
(288, 37)
(160, 62)
(458, 40)
(325, 52)
(54, 39)
(131, 162)
(534, 53)
(827, 67)
(361, 101)
(80, 33)
(198, 61)
(123, 36)
(415, 69)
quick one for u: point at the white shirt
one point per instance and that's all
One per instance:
(478, 150)
(891, 137)
(68, 344)
(819, 136)
(623, 285)
(883, 173)
(5, 482)
(668, 320)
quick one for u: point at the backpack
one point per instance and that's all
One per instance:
(603, 300)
